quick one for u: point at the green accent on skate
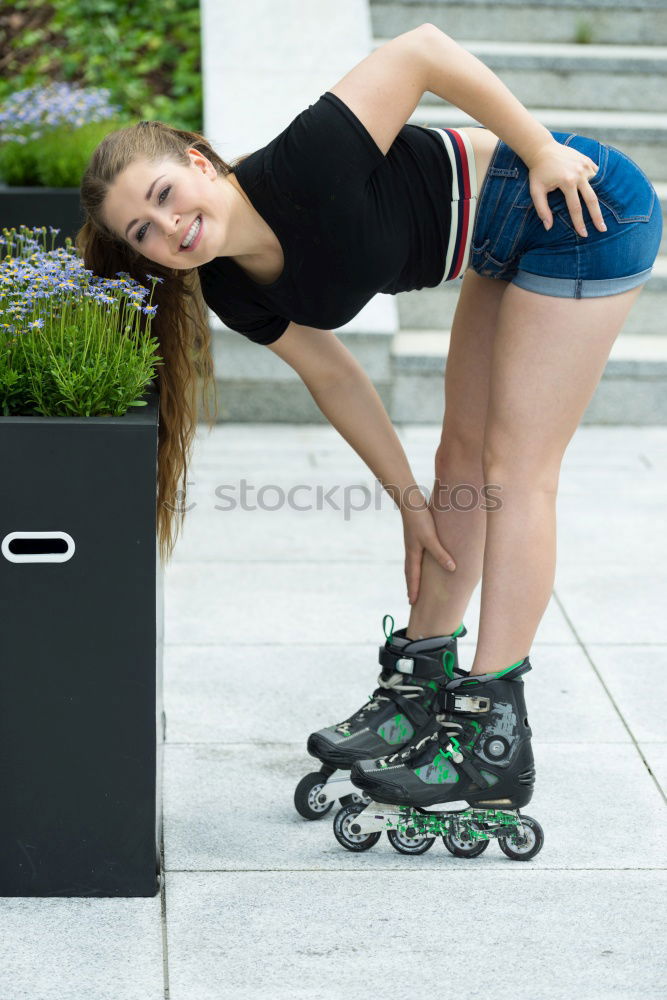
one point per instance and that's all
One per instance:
(448, 660)
(436, 773)
(499, 673)
(445, 753)
(458, 631)
(470, 744)
(474, 824)
(433, 686)
(388, 635)
(396, 730)
(496, 673)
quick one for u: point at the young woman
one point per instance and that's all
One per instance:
(554, 235)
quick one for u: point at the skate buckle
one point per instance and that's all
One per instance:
(404, 665)
(469, 703)
(452, 751)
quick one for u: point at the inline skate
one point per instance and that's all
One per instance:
(466, 781)
(400, 710)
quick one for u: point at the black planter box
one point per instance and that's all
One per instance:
(41, 206)
(81, 719)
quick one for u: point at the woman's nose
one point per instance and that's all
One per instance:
(172, 228)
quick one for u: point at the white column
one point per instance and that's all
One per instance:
(264, 61)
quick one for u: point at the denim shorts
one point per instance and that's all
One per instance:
(509, 240)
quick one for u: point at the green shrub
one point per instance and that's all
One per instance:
(147, 54)
(57, 159)
(71, 343)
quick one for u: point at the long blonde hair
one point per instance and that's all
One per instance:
(181, 321)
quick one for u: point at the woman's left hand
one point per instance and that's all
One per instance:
(420, 534)
(557, 166)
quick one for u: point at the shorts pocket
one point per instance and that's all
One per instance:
(624, 188)
(481, 247)
(489, 266)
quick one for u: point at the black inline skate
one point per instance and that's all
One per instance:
(466, 781)
(401, 710)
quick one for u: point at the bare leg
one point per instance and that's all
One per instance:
(443, 596)
(549, 355)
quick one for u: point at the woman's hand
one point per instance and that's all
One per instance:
(420, 534)
(557, 166)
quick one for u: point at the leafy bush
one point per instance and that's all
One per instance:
(71, 343)
(47, 134)
(147, 54)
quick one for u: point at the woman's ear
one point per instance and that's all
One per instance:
(200, 161)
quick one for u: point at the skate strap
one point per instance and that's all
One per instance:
(389, 635)
(508, 674)
(394, 662)
(417, 715)
(403, 662)
(459, 757)
(420, 666)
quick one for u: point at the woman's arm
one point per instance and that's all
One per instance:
(348, 399)
(457, 76)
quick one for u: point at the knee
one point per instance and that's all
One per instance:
(514, 468)
(461, 451)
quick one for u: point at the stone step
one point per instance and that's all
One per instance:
(612, 77)
(623, 22)
(633, 388)
(433, 308)
(253, 384)
(641, 135)
(407, 367)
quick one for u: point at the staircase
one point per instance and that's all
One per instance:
(610, 86)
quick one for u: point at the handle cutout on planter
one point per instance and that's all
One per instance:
(38, 546)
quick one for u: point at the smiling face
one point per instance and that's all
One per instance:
(152, 207)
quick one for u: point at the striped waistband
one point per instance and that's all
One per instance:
(464, 200)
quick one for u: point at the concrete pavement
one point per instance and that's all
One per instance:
(272, 622)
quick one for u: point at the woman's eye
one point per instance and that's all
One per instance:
(141, 232)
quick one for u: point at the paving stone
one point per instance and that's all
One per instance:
(230, 807)
(560, 934)
(283, 693)
(68, 949)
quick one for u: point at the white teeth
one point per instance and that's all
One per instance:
(192, 232)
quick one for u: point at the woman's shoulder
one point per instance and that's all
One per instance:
(323, 144)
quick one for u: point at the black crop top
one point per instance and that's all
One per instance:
(351, 222)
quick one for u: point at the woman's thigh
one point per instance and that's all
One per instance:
(468, 369)
(510, 242)
(549, 356)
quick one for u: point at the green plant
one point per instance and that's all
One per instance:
(58, 159)
(147, 54)
(71, 343)
(47, 134)
(583, 33)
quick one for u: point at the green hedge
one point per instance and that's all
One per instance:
(148, 54)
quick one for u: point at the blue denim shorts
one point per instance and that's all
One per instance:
(510, 242)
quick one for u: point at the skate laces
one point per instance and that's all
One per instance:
(373, 704)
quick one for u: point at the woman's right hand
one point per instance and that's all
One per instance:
(420, 535)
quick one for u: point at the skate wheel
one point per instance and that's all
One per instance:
(464, 847)
(401, 842)
(358, 797)
(306, 796)
(343, 821)
(523, 847)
